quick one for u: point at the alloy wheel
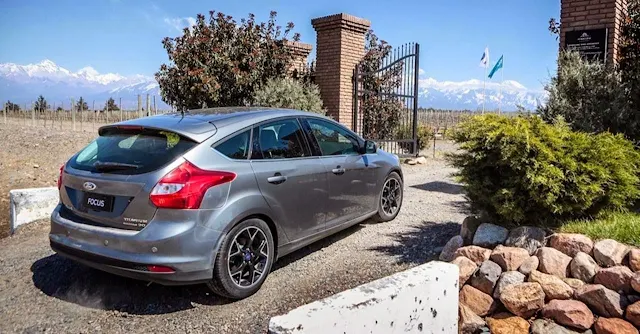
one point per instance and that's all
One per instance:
(391, 197)
(248, 257)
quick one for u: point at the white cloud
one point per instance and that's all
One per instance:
(180, 23)
(421, 72)
(190, 20)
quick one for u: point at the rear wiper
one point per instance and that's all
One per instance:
(111, 166)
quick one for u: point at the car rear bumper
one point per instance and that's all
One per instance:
(130, 269)
(186, 247)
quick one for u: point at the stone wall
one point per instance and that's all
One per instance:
(594, 14)
(529, 280)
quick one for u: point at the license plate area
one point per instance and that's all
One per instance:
(98, 202)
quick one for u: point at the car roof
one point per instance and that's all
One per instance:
(200, 124)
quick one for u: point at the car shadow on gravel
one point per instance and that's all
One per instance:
(421, 244)
(316, 246)
(440, 186)
(72, 282)
(64, 279)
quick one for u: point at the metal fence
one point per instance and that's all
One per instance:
(391, 80)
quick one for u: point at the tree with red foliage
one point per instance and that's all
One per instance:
(219, 62)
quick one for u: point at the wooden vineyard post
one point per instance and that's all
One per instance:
(80, 107)
(60, 117)
(73, 114)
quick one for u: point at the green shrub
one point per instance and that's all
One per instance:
(588, 95)
(291, 94)
(522, 170)
(425, 134)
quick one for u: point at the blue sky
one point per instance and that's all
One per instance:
(124, 36)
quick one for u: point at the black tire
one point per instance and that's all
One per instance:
(222, 283)
(382, 215)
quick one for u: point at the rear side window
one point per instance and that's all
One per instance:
(281, 139)
(236, 147)
(131, 151)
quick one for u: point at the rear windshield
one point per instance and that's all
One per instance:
(130, 151)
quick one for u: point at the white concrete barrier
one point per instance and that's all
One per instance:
(28, 205)
(420, 300)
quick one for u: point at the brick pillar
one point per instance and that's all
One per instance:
(339, 47)
(594, 14)
(300, 53)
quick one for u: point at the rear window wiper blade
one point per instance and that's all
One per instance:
(107, 166)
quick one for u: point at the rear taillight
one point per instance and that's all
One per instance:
(185, 186)
(60, 177)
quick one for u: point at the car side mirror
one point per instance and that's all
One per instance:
(370, 147)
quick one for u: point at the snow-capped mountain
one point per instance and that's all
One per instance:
(23, 83)
(48, 71)
(469, 95)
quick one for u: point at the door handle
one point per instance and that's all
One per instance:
(277, 178)
(338, 170)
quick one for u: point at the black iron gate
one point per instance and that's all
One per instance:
(385, 98)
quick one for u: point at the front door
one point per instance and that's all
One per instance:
(351, 178)
(292, 181)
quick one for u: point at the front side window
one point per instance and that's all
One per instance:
(236, 147)
(281, 139)
(332, 139)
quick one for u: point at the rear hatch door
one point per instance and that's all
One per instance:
(108, 182)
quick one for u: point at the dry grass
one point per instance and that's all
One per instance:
(31, 156)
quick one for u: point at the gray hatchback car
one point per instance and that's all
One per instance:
(217, 195)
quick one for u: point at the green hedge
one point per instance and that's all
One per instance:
(522, 170)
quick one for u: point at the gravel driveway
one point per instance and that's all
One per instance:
(42, 292)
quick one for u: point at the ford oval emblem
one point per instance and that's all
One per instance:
(89, 186)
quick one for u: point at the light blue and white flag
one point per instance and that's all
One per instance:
(496, 67)
(484, 61)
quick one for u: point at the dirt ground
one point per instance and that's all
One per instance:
(43, 292)
(31, 157)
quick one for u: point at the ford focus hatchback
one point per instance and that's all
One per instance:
(215, 196)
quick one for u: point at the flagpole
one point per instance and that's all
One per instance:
(484, 85)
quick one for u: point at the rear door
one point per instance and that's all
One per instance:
(109, 181)
(351, 177)
(292, 181)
